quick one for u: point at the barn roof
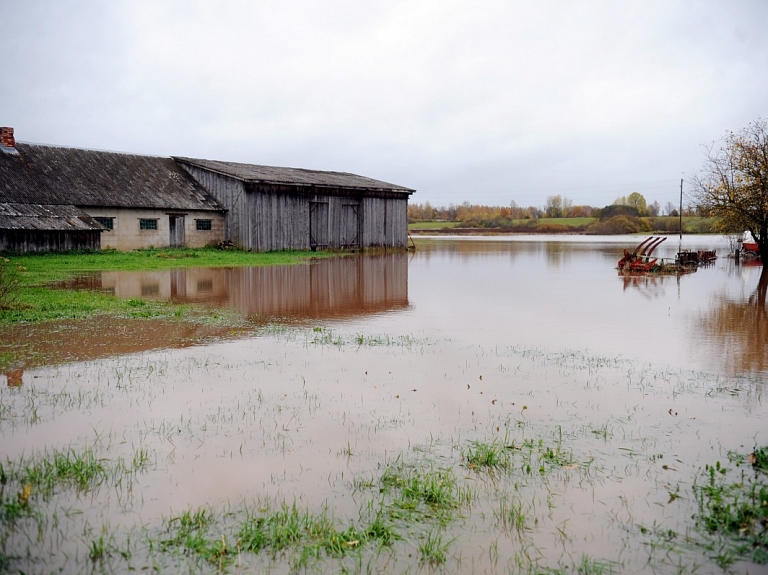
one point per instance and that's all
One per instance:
(44, 174)
(18, 216)
(293, 176)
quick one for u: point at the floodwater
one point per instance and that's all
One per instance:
(551, 293)
(358, 362)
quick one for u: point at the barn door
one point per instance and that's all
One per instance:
(350, 226)
(318, 225)
(177, 231)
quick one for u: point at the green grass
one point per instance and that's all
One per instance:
(422, 492)
(49, 267)
(37, 300)
(432, 225)
(417, 503)
(287, 530)
(591, 566)
(313, 533)
(733, 508)
(433, 549)
(759, 459)
(26, 483)
(731, 522)
(408, 502)
(483, 455)
(61, 468)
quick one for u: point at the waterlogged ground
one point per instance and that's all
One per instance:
(480, 406)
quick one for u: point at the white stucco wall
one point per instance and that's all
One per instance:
(126, 234)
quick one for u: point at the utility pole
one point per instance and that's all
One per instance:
(681, 209)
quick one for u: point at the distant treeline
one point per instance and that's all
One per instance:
(626, 215)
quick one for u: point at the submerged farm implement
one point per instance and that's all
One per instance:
(640, 260)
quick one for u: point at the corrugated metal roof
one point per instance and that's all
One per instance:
(88, 178)
(15, 216)
(292, 176)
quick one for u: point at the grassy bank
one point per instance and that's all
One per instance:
(36, 298)
(661, 224)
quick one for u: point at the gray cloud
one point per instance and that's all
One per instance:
(480, 101)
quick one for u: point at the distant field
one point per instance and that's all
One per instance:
(432, 225)
(567, 222)
(659, 224)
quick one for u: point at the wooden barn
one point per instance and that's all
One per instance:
(54, 197)
(271, 208)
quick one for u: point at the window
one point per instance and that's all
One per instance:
(108, 223)
(147, 224)
(203, 224)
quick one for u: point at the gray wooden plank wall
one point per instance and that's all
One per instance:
(48, 241)
(266, 218)
(231, 194)
(385, 222)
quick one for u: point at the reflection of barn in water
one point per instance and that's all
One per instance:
(324, 289)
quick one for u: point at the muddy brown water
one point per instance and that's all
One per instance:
(643, 380)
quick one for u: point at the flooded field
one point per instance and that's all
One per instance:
(482, 405)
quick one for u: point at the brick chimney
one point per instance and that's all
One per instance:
(6, 138)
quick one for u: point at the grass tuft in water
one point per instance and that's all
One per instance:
(414, 488)
(79, 469)
(759, 459)
(490, 456)
(510, 513)
(590, 566)
(433, 549)
(190, 532)
(22, 481)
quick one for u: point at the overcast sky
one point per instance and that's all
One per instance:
(478, 101)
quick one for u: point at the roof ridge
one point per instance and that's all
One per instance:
(97, 150)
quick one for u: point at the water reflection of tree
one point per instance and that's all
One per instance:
(740, 328)
(557, 253)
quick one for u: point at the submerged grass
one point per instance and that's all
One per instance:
(483, 455)
(731, 519)
(505, 485)
(413, 503)
(733, 508)
(328, 337)
(44, 474)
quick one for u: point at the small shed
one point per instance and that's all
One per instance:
(39, 227)
(32, 222)
(273, 208)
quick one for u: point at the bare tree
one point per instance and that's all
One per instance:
(733, 184)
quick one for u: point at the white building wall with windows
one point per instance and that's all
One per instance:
(130, 229)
